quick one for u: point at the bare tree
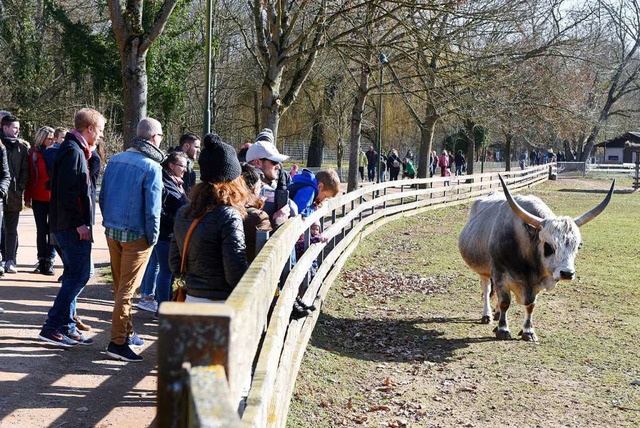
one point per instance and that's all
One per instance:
(134, 41)
(617, 35)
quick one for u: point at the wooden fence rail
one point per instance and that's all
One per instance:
(234, 364)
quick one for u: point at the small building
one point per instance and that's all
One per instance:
(615, 150)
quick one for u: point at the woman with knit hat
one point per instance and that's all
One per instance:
(216, 254)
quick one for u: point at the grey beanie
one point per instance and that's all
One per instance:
(266, 135)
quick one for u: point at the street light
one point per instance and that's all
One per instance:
(383, 60)
(207, 72)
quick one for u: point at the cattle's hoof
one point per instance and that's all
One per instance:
(486, 319)
(502, 334)
(528, 337)
(496, 316)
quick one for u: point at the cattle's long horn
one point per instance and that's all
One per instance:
(527, 217)
(585, 218)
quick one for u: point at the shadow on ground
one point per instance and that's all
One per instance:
(385, 340)
(44, 385)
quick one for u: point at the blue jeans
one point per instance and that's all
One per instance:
(10, 242)
(158, 276)
(76, 256)
(371, 172)
(46, 251)
(148, 286)
(165, 276)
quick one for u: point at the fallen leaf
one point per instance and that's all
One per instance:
(379, 407)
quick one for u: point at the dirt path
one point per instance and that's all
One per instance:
(45, 386)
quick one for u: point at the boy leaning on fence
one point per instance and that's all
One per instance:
(308, 191)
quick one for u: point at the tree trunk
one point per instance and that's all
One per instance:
(339, 154)
(427, 129)
(316, 145)
(256, 112)
(589, 143)
(356, 126)
(271, 108)
(471, 146)
(133, 43)
(134, 79)
(507, 151)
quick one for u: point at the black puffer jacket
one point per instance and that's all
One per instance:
(216, 258)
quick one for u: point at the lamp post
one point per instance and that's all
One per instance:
(207, 71)
(383, 60)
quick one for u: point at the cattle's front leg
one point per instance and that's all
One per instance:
(504, 301)
(486, 298)
(527, 333)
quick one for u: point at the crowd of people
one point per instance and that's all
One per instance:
(390, 163)
(159, 221)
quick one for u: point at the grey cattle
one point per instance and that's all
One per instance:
(518, 245)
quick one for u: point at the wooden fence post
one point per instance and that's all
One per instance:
(196, 333)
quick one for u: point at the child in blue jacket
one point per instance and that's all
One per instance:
(309, 190)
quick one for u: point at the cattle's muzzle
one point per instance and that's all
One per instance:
(567, 275)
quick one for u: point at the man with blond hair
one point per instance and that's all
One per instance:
(130, 201)
(71, 217)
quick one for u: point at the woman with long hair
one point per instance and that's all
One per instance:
(37, 196)
(215, 258)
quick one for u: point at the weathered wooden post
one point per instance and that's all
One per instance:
(195, 333)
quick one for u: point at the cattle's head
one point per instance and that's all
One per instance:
(559, 237)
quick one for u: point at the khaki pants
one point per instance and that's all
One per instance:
(128, 262)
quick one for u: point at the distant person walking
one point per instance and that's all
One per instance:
(443, 163)
(372, 163)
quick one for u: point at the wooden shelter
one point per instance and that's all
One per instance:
(616, 149)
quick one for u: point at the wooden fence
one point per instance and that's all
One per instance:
(235, 364)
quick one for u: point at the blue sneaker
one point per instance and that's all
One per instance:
(57, 338)
(79, 338)
(134, 340)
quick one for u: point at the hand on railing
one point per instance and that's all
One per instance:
(322, 238)
(280, 216)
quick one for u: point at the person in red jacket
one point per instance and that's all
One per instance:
(37, 196)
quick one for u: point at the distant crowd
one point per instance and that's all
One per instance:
(160, 223)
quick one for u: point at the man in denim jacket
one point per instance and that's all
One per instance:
(130, 201)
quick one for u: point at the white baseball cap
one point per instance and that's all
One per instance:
(265, 150)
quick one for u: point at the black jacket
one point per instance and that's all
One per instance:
(216, 257)
(72, 200)
(18, 164)
(94, 164)
(172, 200)
(5, 177)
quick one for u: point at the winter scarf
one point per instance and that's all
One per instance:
(146, 148)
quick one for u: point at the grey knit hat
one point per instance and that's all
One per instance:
(218, 161)
(266, 135)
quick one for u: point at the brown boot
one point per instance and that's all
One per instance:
(80, 325)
